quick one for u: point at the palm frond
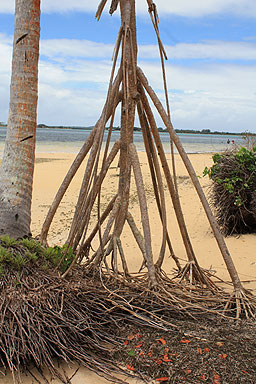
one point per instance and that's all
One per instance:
(100, 9)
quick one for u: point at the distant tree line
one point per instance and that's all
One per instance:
(138, 129)
(160, 129)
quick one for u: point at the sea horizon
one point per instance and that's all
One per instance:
(70, 140)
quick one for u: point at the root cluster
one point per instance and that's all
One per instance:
(44, 317)
(80, 318)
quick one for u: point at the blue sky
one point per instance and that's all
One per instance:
(211, 70)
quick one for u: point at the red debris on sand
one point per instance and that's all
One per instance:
(130, 367)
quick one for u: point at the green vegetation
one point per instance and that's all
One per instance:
(15, 254)
(233, 193)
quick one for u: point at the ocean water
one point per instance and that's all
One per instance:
(70, 141)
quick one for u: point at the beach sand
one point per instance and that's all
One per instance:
(50, 170)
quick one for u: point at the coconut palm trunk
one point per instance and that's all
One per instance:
(16, 174)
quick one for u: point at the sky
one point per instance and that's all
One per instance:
(211, 66)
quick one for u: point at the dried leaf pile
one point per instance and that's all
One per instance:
(198, 352)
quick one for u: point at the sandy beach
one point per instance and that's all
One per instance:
(50, 170)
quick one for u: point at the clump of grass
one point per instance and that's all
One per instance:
(15, 254)
(233, 191)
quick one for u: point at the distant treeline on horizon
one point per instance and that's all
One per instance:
(138, 129)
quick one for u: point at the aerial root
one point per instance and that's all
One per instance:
(241, 302)
(103, 302)
(195, 275)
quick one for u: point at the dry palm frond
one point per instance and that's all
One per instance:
(100, 9)
(114, 6)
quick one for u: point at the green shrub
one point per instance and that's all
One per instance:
(233, 192)
(15, 254)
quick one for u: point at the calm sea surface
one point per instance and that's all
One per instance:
(71, 140)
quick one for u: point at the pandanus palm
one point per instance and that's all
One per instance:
(131, 88)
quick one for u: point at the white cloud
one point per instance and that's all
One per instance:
(63, 106)
(75, 48)
(217, 50)
(5, 71)
(219, 97)
(76, 72)
(73, 83)
(6, 52)
(195, 8)
(199, 8)
(7, 6)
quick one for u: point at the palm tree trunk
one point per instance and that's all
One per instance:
(16, 176)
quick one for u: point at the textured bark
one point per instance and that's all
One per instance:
(144, 213)
(17, 168)
(89, 202)
(129, 57)
(155, 176)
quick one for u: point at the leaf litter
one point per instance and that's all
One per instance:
(205, 351)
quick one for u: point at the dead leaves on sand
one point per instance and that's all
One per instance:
(188, 362)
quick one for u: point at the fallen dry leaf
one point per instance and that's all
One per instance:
(166, 358)
(162, 341)
(216, 379)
